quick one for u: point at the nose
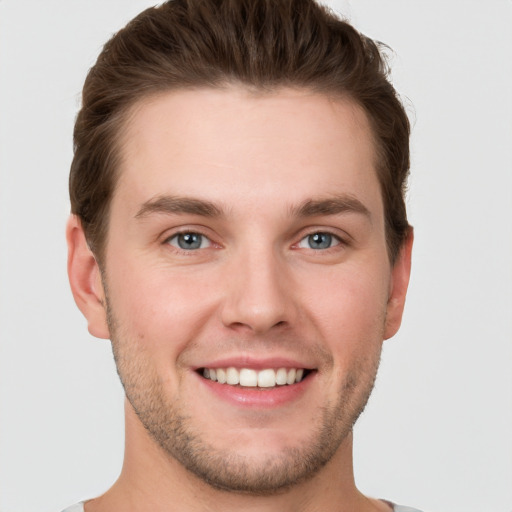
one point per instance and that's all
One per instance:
(258, 293)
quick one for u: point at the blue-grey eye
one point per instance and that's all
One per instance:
(189, 241)
(319, 241)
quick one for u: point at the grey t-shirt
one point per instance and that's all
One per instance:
(79, 507)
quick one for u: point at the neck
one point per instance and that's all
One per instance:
(153, 480)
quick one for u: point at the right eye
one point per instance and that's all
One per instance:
(189, 241)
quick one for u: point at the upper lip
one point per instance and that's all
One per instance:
(255, 363)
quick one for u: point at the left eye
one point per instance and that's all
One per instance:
(319, 241)
(189, 241)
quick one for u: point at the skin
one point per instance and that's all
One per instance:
(254, 291)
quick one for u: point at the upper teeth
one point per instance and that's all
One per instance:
(267, 378)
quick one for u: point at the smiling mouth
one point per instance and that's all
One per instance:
(247, 377)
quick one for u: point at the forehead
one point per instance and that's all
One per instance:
(228, 144)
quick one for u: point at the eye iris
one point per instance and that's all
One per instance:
(320, 241)
(189, 241)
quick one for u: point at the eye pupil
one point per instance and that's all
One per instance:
(320, 241)
(189, 241)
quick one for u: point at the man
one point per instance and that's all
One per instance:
(239, 232)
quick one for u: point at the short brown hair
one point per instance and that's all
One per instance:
(212, 43)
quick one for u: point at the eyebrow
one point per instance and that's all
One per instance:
(176, 205)
(331, 206)
(179, 205)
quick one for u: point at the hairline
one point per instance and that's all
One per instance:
(120, 127)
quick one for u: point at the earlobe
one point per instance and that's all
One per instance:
(85, 279)
(400, 274)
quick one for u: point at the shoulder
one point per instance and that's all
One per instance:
(77, 507)
(401, 508)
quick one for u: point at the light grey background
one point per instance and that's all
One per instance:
(438, 431)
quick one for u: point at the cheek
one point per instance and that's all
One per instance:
(157, 307)
(348, 306)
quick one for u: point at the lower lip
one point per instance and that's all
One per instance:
(261, 398)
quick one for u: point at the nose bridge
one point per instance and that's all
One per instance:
(258, 295)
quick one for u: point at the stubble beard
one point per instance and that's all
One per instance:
(226, 470)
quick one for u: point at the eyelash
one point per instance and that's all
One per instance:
(188, 232)
(339, 242)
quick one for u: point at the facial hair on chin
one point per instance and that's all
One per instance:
(175, 433)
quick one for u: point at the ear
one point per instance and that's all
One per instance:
(85, 279)
(400, 274)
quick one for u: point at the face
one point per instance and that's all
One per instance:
(247, 280)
